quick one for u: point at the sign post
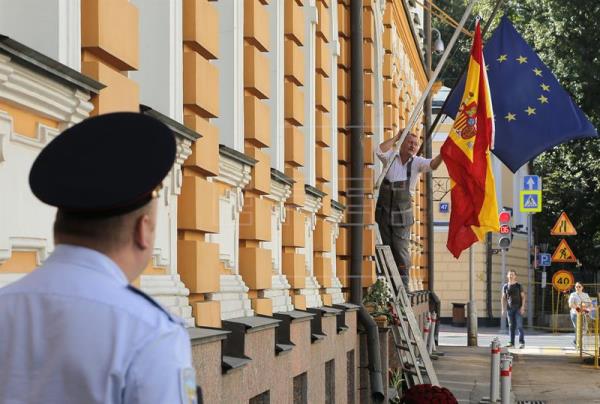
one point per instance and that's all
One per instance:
(530, 201)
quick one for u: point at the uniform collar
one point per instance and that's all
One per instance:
(89, 259)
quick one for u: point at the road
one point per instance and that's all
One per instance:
(547, 370)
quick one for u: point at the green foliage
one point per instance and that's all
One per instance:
(566, 36)
(459, 55)
(396, 380)
(378, 295)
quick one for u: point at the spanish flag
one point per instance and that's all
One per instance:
(466, 153)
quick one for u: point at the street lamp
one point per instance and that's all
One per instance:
(438, 45)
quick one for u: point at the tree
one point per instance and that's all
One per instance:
(566, 36)
(459, 55)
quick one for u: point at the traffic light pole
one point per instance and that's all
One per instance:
(503, 316)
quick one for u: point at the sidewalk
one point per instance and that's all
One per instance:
(548, 369)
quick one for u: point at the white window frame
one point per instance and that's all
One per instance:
(276, 102)
(311, 19)
(160, 74)
(231, 74)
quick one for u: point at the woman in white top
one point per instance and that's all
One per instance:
(579, 301)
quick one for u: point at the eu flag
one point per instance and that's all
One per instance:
(533, 113)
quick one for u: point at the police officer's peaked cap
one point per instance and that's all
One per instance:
(104, 166)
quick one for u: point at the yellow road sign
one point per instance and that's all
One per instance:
(563, 253)
(563, 226)
(530, 201)
(563, 280)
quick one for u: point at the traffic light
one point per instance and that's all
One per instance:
(505, 230)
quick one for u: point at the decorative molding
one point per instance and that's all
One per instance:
(279, 193)
(42, 94)
(337, 296)
(380, 5)
(278, 176)
(311, 291)
(311, 206)
(232, 171)
(44, 134)
(6, 129)
(279, 294)
(233, 295)
(227, 238)
(41, 246)
(184, 150)
(171, 293)
(48, 67)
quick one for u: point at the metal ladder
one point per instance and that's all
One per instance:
(416, 363)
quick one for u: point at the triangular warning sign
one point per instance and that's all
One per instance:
(563, 226)
(563, 253)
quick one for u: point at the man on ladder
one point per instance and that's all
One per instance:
(394, 211)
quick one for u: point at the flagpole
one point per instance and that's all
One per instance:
(471, 306)
(419, 106)
(429, 131)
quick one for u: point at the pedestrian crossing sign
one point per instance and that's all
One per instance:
(530, 201)
(563, 253)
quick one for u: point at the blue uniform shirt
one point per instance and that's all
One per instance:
(72, 332)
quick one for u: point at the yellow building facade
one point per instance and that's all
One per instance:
(252, 235)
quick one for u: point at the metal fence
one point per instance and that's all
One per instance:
(587, 336)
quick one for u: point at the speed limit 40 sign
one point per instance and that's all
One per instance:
(563, 280)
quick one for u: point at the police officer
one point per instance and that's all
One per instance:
(74, 330)
(394, 209)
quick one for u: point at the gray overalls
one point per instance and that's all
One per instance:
(394, 216)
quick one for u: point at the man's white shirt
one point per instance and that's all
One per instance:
(398, 171)
(72, 332)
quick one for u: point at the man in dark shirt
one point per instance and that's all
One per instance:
(514, 305)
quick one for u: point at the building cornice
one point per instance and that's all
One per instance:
(43, 94)
(34, 60)
(177, 128)
(233, 169)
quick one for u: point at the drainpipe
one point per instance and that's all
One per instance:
(428, 153)
(356, 195)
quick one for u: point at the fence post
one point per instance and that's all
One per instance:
(431, 342)
(505, 379)
(495, 371)
(426, 331)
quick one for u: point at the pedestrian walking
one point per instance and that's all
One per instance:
(514, 305)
